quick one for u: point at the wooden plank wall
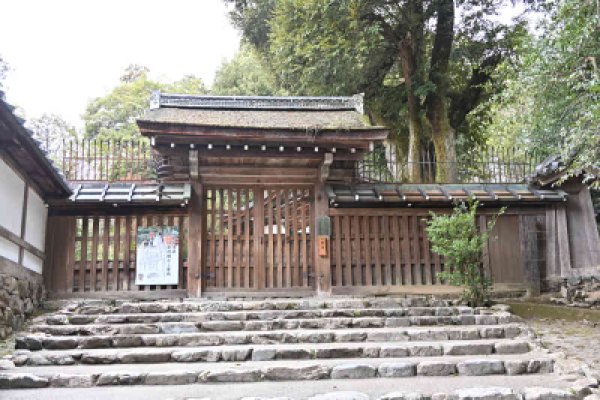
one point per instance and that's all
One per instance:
(387, 247)
(99, 252)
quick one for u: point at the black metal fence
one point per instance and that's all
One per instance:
(485, 164)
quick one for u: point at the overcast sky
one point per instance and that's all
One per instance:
(62, 53)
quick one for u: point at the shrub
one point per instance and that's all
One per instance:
(459, 240)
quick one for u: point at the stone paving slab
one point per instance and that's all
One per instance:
(373, 388)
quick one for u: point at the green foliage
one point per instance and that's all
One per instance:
(51, 130)
(113, 116)
(246, 74)
(457, 238)
(551, 101)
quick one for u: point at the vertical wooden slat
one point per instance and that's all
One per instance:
(71, 238)
(426, 252)
(358, 275)
(248, 250)
(337, 233)
(377, 249)
(386, 250)
(238, 239)
(396, 249)
(93, 263)
(116, 253)
(416, 250)
(295, 281)
(212, 279)
(367, 250)
(279, 257)
(408, 279)
(182, 240)
(259, 228)
(127, 253)
(287, 239)
(304, 244)
(83, 263)
(221, 255)
(230, 223)
(270, 233)
(347, 250)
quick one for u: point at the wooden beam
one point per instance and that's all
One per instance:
(325, 165)
(8, 235)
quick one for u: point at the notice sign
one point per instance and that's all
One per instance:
(157, 256)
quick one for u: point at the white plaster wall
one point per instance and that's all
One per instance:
(35, 224)
(11, 199)
(9, 250)
(32, 262)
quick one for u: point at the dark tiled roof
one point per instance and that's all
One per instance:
(36, 165)
(554, 168)
(443, 193)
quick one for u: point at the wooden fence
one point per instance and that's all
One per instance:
(107, 160)
(98, 253)
(389, 247)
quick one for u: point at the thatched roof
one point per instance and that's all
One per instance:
(260, 119)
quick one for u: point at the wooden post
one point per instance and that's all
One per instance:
(195, 237)
(322, 264)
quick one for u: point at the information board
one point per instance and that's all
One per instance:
(157, 255)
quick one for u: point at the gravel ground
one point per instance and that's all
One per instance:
(578, 340)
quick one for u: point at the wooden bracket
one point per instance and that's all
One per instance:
(327, 161)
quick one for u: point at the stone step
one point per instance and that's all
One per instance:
(156, 338)
(187, 305)
(264, 325)
(263, 352)
(298, 370)
(201, 316)
(493, 387)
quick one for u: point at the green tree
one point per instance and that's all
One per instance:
(458, 239)
(551, 102)
(51, 130)
(245, 74)
(421, 72)
(113, 116)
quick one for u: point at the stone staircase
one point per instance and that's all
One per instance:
(264, 345)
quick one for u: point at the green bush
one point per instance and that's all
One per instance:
(458, 239)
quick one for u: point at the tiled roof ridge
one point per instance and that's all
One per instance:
(323, 103)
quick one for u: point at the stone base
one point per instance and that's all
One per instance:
(19, 298)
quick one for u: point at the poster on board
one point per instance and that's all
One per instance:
(157, 255)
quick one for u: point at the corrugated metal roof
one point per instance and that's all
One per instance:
(117, 193)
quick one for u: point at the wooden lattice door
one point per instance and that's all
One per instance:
(258, 238)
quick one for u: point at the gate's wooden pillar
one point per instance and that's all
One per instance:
(322, 263)
(196, 228)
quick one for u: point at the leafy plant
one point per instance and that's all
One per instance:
(459, 240)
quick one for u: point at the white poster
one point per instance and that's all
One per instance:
(157, 256)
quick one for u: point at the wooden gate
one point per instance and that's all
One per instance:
(258, 238)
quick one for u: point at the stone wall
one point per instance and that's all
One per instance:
(579, 291)
(19, 298)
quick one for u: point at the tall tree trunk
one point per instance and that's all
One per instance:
(411, 55)
(415, 126)
(444, 137)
